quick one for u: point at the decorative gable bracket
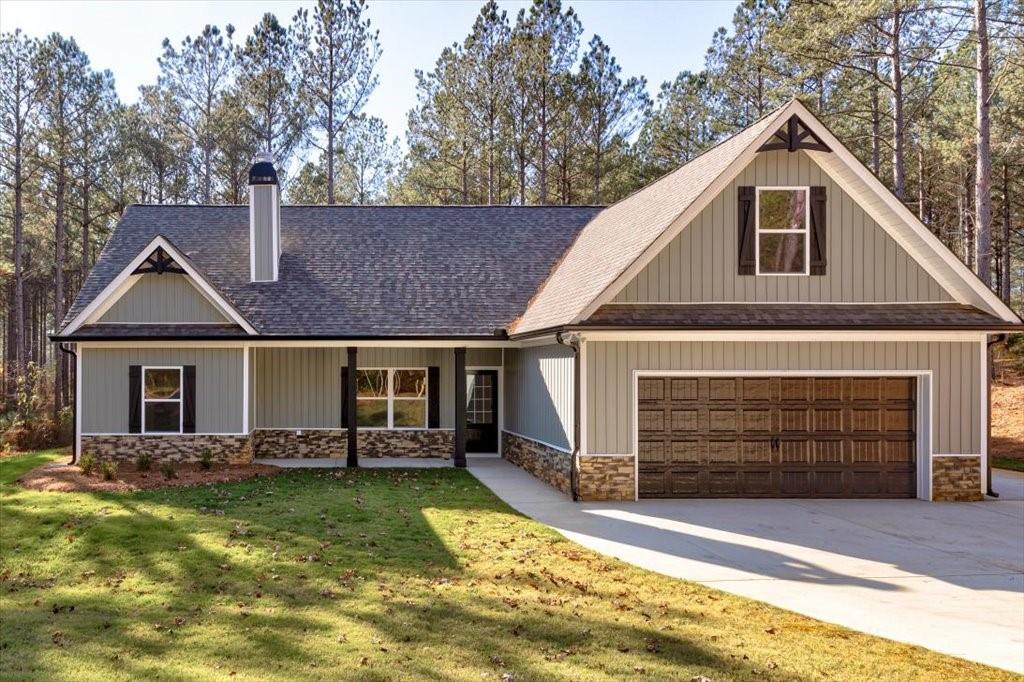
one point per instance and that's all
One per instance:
(159, 262)
(793, 136)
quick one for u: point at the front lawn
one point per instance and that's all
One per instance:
(373, 574)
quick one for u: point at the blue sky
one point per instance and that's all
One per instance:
(656, 39)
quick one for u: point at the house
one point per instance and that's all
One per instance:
(766, 321)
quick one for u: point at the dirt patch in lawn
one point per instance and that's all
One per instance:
(66, 478)
(1008, 419)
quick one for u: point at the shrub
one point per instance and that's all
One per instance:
(108, 470)
(143, 461)
(87, 463)
(206, 459)
(167, 469)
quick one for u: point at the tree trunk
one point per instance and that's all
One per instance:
(58, 279)
(983, 173)
(1005, 293)
(921, 214)
(18, 307)
(899, 177)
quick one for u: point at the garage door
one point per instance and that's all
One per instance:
(776, 436)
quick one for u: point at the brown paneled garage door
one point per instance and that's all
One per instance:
(776, 436)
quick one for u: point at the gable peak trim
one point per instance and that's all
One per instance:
(127, 278)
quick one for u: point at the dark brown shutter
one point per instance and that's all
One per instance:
(747, 264)
(344, 397)
(188, 399)
(819, 261)
(135, 399)
(433, 397)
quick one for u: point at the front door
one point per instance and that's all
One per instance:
(482, 410)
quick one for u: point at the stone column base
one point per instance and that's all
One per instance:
(956, 479)
(230, 449)
(607, 478)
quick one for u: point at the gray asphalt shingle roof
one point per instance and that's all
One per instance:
(362, 270)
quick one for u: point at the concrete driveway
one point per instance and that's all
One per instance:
(949, 577)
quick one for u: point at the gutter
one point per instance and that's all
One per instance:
(999, 338)
(574, 343)
(74, 405)
(569, 328)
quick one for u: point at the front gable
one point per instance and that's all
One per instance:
(159, 286)
(166, 298)
(864, 263)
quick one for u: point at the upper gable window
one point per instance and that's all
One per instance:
(783, 226)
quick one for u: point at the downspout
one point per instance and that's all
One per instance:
(74, 404)
(998, 338)
(573, 343)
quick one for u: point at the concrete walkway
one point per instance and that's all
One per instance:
(949, 577)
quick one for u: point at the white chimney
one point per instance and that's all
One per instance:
(264, 219)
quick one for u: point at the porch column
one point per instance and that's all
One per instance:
(350, 408)
(460, 408)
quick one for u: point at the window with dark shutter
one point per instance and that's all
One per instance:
(819, 261)
(135, 399)
(433, 397)
(747, 263)
(188, 418)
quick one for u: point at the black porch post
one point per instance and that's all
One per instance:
(350, 400)
(460, 408)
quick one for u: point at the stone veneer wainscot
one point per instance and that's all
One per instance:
(318, 443)
(552, 466)
(230, 449)
(956, 479)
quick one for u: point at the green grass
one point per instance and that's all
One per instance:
(373, 574)
(1006, 463)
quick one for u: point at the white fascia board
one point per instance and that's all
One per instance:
(125, 280)
(765, 336)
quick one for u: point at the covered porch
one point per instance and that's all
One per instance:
(363, 403)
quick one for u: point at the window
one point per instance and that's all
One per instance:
(161, 400)
(391, 398)
(782, 229)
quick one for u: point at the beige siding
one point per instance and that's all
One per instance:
(864, 262)
(264, 206)
(955, 390)
(483, 357)
(105, 386)
(301, 387)
(539, 393)
(163, 298)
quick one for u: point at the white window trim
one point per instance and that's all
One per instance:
(180, 400)
(391, 398)
(806, 232)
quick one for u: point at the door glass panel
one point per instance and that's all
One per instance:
(480, 399)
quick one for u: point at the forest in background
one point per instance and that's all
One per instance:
(527, 109)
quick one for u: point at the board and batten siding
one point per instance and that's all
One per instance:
(865, 264)
(955, 366)
(300, 388)
(105, 386)
(539, 393)
(166, 298)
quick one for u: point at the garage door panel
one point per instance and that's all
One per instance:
(776, 436)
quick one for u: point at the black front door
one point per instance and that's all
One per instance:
(482, 410)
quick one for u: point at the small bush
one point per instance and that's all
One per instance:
(167, 469)
(87, 463)
(143, 461)
(206, 459)
(108, 470)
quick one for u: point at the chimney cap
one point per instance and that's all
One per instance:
(263, 171)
